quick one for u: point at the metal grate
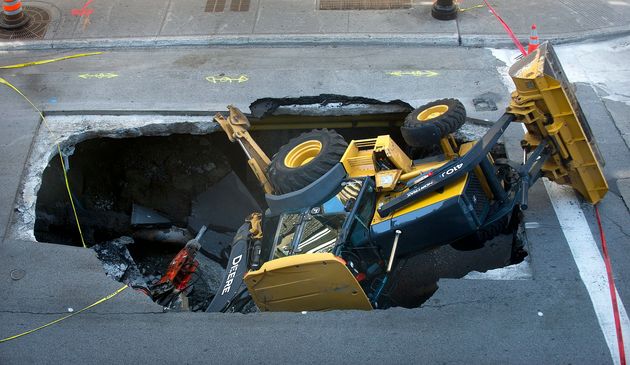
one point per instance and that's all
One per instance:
(477, 197)
(215, 6)
(239, 5)
(35, 29)
(364, 4)
(218, 6)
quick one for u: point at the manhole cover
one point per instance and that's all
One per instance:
(35, 29)
(17, 274)
(364, 4)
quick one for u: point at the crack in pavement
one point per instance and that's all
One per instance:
(455, 303)
(97, 313)
(616, 224)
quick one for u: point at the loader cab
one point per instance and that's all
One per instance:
(340, 221)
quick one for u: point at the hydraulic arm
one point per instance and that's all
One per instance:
(236, 127)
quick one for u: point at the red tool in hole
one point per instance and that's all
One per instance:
(178, 274)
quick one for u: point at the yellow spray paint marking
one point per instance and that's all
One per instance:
(42, 62)
(472, 7)
(227, 79)
(414, 73)
(108, 75)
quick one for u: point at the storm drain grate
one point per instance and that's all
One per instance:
(239, 5)
(364, 4)
(218, 6)
(215, 6)
(35, 29)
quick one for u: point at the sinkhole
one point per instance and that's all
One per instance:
(140, 182)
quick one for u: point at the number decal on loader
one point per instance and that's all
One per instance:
(452, 170)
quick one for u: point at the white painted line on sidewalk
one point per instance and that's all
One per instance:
(590, 264)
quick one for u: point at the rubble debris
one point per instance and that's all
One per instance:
(147, 217)
(118, 263)
(216, 244)
(223, 206)
(327, 105)
(164, 276)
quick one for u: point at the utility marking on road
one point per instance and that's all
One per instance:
(414, 73)
(589, 262)
(108, 75)
(478, 6)
(83, 11)
(216, 79)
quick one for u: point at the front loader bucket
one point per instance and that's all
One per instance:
(546, 103)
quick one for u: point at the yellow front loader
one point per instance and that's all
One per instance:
(340, 214)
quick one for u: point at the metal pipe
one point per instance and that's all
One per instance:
(249, 156)
(524, 193)
(202, 230)
(491, 178)
(393, 253)
(378, 291)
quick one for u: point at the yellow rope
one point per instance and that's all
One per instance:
(110, 296)
(42, 62)
(56, 141)
(65, 176)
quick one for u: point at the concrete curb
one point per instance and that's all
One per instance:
(269, 40)
(261, 40)
(503, 41)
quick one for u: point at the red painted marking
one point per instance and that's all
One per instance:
(509, 31)
(611, 286)
(83, 11)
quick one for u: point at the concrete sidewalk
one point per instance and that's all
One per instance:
(147, 23)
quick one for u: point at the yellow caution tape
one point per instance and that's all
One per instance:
(110, 296)
(56, 141)
(42, 62)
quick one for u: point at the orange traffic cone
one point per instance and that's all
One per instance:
(533, 40)
(12, 14)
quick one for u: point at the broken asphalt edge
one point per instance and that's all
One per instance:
(269, 40)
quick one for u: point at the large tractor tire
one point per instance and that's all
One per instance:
(425, 126)
(305, 159)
